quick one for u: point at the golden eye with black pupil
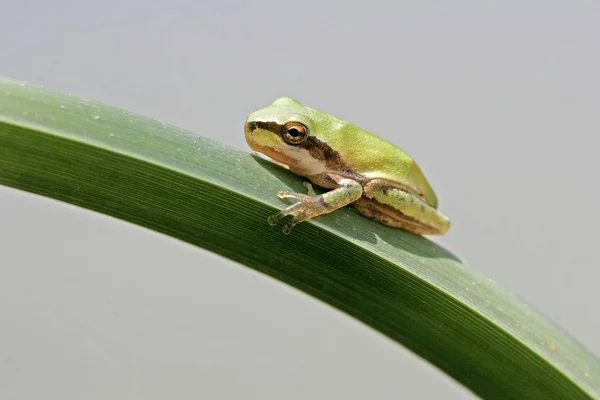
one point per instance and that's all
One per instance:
(295, 133)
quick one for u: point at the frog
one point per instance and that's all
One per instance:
(351, 165)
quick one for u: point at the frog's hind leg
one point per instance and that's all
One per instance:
(400, 209)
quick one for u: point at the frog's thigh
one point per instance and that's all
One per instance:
(400, 209)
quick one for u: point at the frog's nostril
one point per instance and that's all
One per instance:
(251, 126)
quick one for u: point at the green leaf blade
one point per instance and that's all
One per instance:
(210, 195)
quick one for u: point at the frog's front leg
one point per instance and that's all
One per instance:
(312, 205)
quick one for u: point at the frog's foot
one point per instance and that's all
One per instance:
(297, 210)
(300, 211)
(312, 205)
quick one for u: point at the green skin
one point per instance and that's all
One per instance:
(377, 178)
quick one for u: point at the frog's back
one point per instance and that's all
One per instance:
(369, 154)
(376, 158)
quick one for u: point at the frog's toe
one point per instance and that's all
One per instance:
(309, 188)
(296, 213)
(275, 218)
(283, 194)
(291, 195)
(287, 227)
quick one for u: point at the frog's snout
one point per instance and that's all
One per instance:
(249, 129)
(262, 135)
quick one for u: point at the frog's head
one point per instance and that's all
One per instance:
(282, 131)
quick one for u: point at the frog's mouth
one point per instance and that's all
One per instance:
(274, 155)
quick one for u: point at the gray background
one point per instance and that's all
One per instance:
(498, 102)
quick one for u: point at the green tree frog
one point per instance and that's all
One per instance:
(377, 178)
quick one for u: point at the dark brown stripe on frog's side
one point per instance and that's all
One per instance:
(323, 152)
(268, 126)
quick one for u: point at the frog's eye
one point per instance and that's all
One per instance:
(295, 133)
